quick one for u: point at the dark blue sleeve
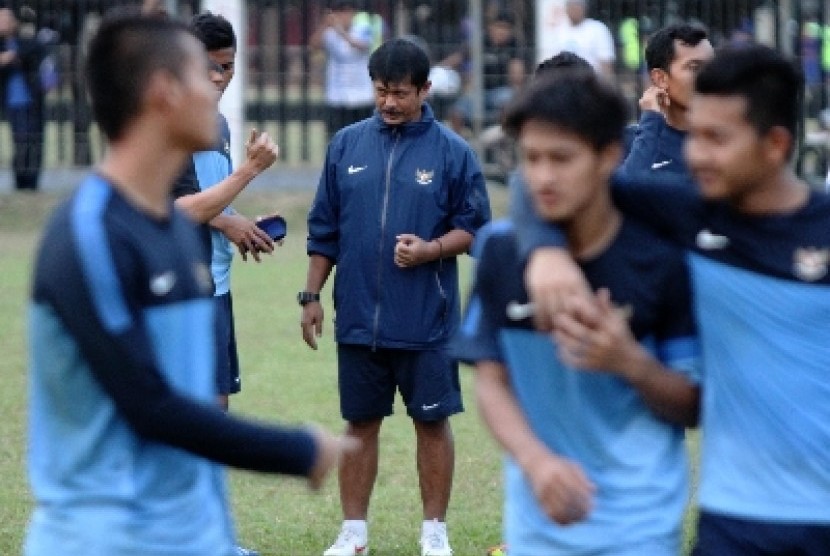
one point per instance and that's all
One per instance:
(666, 202)
(323, 225)
(119, 354)
(470, 204)
(477, 337)
(187, 183)
(645, 144)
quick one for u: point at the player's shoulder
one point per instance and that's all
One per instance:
(818, 207)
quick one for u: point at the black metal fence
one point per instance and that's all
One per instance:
(284, 77)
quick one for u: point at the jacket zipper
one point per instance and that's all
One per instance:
(396, 133)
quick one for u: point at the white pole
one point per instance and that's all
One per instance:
(232, 104)
(476, 77)
(549, 14)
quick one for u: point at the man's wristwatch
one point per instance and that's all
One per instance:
(304, 298)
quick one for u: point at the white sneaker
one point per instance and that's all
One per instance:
(434, 542)
(348, 543)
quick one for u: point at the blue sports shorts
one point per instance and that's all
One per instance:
(227, 360)
(368, 379)
(720, 535)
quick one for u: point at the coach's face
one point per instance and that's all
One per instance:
(726, 154)
(399, 103)
(565, 174)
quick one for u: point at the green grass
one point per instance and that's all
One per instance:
(283, 381)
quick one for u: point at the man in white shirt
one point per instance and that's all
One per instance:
(347, 41)
(586, 37)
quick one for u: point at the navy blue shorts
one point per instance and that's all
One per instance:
(719, 535)
(368, 379)
(227, 361)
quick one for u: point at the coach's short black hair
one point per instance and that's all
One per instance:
(564, 60)
(398, 59)
(574, 100)
(126, 50)
(661, 50)
(770, 83)
(213, 30)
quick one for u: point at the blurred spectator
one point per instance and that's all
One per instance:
(809, 50)
(586, 37)
(22, 96)
(743, 33)
(348, 38)
(503, 67)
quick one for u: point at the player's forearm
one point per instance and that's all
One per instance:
(319, 268)
(503, 416)
(670, 395)
(453, 243)
(204, 206)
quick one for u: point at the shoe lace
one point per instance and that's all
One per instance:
(436, 540)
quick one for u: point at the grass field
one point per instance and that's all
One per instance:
(283, 381)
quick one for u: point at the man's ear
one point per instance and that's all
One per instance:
(778, 144)
(163, 91)
(659, 77)
(426, 87)
(610, 157)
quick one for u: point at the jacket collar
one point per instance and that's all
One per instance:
(409, 128)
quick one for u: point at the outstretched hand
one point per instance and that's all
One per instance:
(330, 449)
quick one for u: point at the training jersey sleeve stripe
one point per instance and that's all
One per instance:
(94, 253)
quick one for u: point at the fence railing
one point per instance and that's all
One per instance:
(284, 77)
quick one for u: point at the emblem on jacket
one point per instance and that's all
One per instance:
(424, 177)
(810, 264)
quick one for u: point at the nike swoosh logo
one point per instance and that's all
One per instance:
(658, 165)
(161, 284)
(428, 407)
(709, 241)
(355, 169)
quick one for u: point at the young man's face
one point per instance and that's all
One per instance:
(399, 103)
(723, 150)
(564, 172)
(193, 123)
(679, 81)
(222, 59)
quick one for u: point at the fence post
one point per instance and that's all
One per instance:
(232, 104)
(476, 77)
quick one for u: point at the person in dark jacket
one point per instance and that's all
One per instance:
(22, 98)
(400, 197)
(674, 56)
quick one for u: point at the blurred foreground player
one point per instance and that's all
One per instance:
(593, 421)
(124, 429)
